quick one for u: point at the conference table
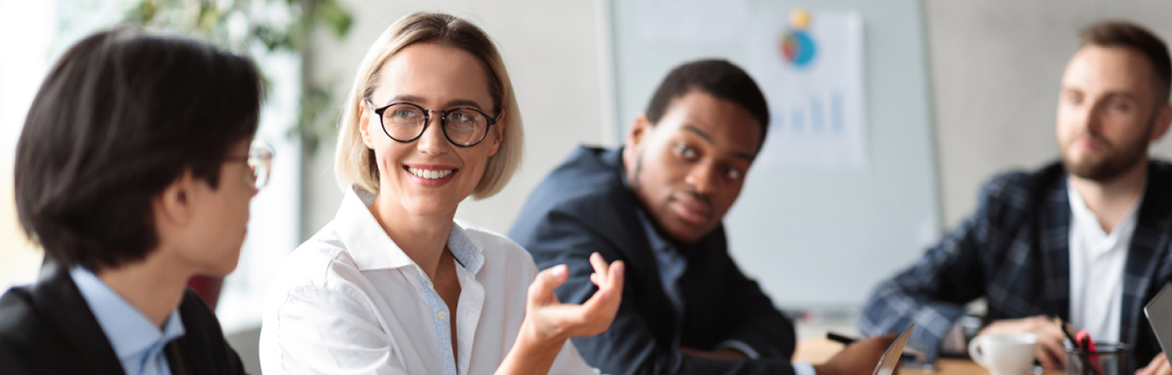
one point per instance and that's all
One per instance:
(819, 350)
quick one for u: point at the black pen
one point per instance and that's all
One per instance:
(839, 338)
(1062, 326)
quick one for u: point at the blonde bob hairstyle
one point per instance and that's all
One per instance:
(355, 163)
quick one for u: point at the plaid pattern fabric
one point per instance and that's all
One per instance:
(1014, 252)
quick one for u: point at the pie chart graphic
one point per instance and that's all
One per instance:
(798, 48)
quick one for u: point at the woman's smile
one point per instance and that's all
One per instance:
(431, 175)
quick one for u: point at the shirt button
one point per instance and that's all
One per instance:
(441, 315)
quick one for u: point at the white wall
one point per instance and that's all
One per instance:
(551, 51)
(26, 32)
(996, 66)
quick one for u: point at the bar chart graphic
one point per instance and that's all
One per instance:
(810, 66)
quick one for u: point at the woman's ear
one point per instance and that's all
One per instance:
(499, 132)
(364, 115)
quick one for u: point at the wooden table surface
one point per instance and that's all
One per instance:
(819, 350)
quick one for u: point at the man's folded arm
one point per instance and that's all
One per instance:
(629, 346)
(933, 292)
(761, 326)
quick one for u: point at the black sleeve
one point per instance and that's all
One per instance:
(629, 346)
(721, 295)
(933, 291)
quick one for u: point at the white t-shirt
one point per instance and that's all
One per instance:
(1097, 259)
(349, 300)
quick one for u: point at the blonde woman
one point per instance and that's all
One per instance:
(393, 284)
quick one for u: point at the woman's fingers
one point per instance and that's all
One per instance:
(541, 290)
(554, 319)
(598, 263)
(606, 299)
(596, 314)
(601, 269)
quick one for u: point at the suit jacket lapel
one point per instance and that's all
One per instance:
(62, 306)
(632, 239)
(202, 349)
(1055, 246)
(1143, 256)
(181, 351)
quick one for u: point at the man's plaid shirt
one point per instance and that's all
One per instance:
(1014, 252)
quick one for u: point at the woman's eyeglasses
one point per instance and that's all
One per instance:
(405, 122)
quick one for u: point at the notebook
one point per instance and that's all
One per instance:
(1159, 313)
(890, 359)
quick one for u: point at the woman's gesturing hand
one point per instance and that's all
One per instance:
(549, 323)
(550, 320)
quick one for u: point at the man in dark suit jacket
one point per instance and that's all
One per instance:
(1054, 242)
(133, 172)
(49, 329)
(657, 204)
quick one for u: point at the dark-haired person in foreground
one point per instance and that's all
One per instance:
(1086, 239)
(657, 205)
(134, 172)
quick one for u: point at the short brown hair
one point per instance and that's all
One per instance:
(355, 162)
(1129, 35)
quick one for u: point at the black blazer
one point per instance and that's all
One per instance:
(48, 328)
(583, 207)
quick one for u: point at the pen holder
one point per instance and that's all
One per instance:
(1107, 359)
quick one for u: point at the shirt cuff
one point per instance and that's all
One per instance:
(953, 342)
(740, 346)
(804, 368)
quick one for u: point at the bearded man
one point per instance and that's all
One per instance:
(1086, 239)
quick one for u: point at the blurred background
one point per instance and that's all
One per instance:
(950, 93)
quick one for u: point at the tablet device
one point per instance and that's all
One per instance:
(1159, 313)
(890, 359)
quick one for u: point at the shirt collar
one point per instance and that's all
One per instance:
(130, 332)
(467, 251)
(371, 247)
(1086, 220)
(660, 245)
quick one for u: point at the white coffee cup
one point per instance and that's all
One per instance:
(1011, 354)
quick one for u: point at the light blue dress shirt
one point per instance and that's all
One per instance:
(136, 340)
(465, 253)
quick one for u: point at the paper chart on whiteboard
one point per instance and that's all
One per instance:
(810, 67)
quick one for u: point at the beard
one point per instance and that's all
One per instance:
(1116, 160)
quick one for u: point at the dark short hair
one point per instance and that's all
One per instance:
(715, 77)
(1129, 35)
(121, 116)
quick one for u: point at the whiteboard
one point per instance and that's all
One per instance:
(813, 238)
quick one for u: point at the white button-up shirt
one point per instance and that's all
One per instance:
(349, 300)
(1097, 259)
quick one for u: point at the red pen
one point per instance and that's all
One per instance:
(1089, 345)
